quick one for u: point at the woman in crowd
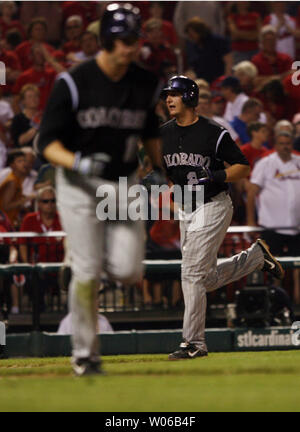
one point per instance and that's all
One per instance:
(25, 125)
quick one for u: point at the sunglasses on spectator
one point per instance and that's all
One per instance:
(73, 26)
(46, 201)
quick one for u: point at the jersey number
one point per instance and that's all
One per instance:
(192, 178)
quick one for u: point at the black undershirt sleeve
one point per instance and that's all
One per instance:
(230, 152)
(151, 129)
(57, 116)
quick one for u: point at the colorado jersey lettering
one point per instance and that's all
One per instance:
(89, 113)
(201, 144)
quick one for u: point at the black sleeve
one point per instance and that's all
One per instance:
(20, 124)
(57, 117)
(224, 46)
(151, 129)
(228, 151)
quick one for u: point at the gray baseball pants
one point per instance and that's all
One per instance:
(113, 247)
(200, 241)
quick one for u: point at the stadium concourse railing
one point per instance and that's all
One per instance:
(236, 239)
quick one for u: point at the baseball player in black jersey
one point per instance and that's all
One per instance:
(194, 151)
(95, 116)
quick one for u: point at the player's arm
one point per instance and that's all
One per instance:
(57, 154)
(228, 151)
(237, 172)
(153, 146)
(153, 150)
(58, 118)
(252, 191)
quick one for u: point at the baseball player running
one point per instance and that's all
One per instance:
(95, 116)
(194, 151)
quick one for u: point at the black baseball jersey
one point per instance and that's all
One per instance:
(203, 144)
(90, 113)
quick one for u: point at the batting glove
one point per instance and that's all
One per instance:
(92, 165)
(207, 176)
(155, 177)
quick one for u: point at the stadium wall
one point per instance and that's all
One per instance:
(38, 344)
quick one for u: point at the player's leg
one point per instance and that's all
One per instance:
(77, 208)
(199, 253)
(125, 239)
(241, 265)
(125, 250)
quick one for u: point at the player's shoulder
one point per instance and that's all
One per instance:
(211, 125)
(140, 74)
(85, 68)
(169, 125)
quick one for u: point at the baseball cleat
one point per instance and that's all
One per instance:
(271, 264)
(85, 367)
(187, 351)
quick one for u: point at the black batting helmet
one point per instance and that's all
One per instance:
(119, 22)
(187, 87)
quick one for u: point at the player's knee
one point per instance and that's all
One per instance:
(86, 272)
(128, 274)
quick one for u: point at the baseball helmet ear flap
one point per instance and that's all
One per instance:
(187, 87)
(190, 98)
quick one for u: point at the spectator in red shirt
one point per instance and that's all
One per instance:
(293, 91)
(73, 31)
(244, 29)
(277, 104)
(8, 9)
(89, 48)
(12, 69)
(43, 249)
(155, 54)
(259, 134)
(51, 10)
(269, 62)
(46, 219)
(156, 10)
(88, 10)
(285, 26)
(39, 74)
(37, 32)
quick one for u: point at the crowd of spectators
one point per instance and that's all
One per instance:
(241, 55)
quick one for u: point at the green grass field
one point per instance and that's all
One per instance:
(248, 381)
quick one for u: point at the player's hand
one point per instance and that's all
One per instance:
(92, 165)
(208, 176)
(205, 176)
(155, 177)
